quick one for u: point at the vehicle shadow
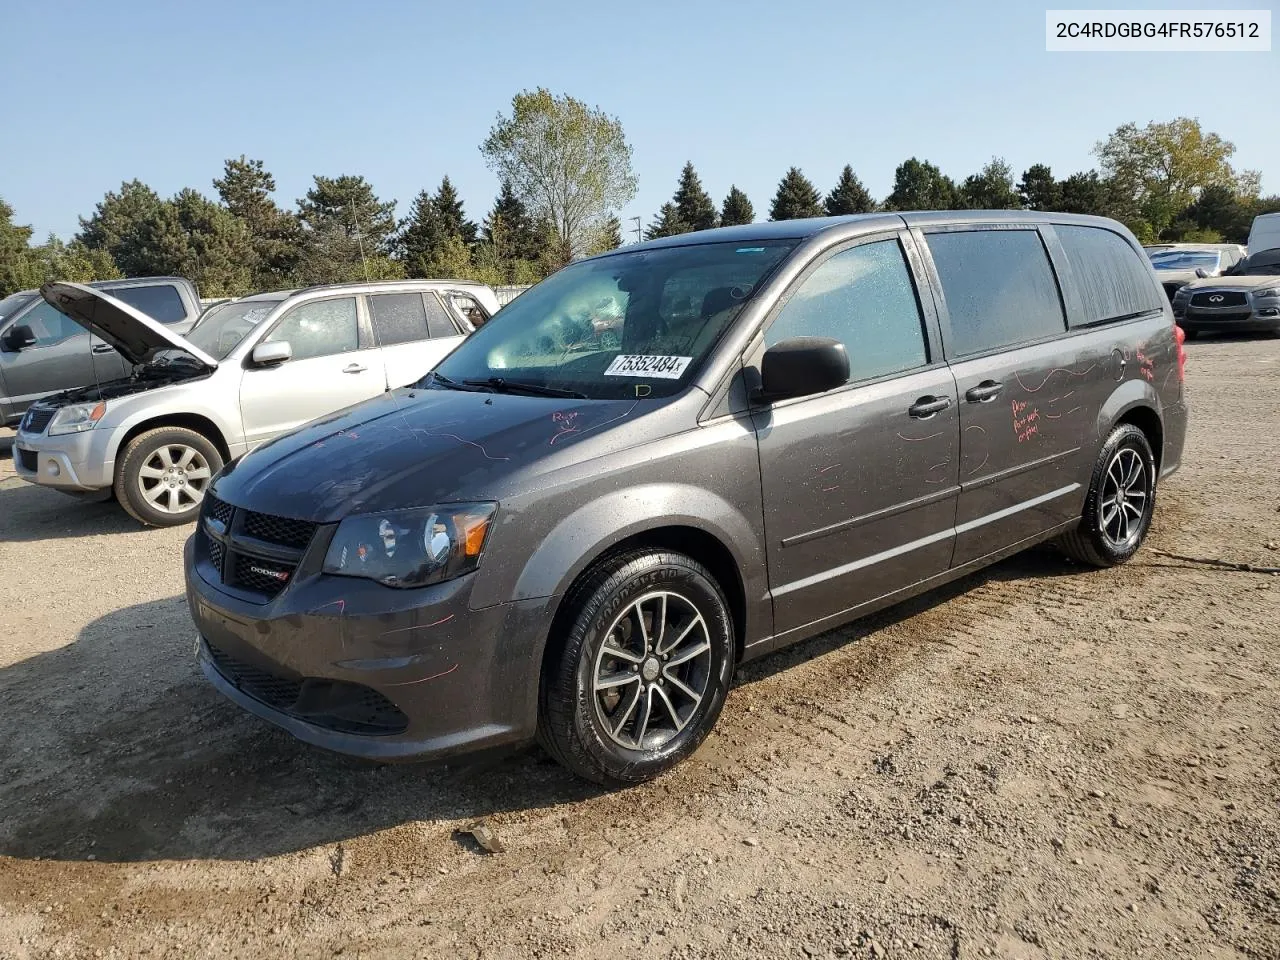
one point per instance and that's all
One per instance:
(117, 748)
(29, 512)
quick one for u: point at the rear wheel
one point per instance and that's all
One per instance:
(163, 475)
(1121, 501)
(643, 672)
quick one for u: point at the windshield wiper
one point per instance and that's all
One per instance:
(503, 385)
(439, 379)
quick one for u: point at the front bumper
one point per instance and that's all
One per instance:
(366, 670)
(66, 462)
(1261, 317)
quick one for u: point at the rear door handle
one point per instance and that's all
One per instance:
(354, 368)
(984, 392)
(102, 348)
(926, 407)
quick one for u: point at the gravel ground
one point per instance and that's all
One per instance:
(1039, 761)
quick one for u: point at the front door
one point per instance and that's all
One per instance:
(859, 483)
(1026, 398)
(64, 356)
(333, 366)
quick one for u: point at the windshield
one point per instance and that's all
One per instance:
(628, 325)
(13, 303)
(223, 326)
(1264, 264)
(1184, 260)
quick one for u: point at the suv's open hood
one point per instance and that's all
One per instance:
(133, 333)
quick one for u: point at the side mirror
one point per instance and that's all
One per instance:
(271, 354)
(19, 338)
(802, 366)
(1201, 272)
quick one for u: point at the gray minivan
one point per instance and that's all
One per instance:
(43, 351)
(680, 455)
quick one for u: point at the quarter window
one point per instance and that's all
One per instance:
(319, 329)
(1111, 277)
(398, 318)
(864, 298)
(468, 307)
(999, 288)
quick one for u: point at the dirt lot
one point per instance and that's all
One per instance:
(1037, 762)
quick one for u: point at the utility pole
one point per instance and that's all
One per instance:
(637, 220)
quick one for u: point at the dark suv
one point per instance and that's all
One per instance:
(680, 455)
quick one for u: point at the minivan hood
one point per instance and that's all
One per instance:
(411, 448)
(135, 335)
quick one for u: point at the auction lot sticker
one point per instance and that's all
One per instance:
(642, 365)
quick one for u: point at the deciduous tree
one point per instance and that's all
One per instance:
(991, 188)
(919, 185)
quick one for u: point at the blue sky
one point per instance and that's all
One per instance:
(404, 92)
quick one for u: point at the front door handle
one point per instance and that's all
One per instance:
(984, 392)
(102, 348)
(926, 407)
(354, 368)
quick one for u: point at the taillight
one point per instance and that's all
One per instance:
(1180, 337)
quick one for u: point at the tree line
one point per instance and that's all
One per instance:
(564, 170)
(1166, 181)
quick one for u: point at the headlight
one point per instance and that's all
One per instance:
(1182, 293)
(76, 418)
(1269, 292)
(411, 548)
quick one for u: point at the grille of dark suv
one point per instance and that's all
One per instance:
(36, 420)
(255, 553)
(1229, 298)
(333, 704)
(282, 530)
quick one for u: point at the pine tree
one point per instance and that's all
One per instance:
(796, 198)
(510, 228)
(609, 238)
(1038, 190)
(693, 204)
(421, 235)
(668, 223)
(919, 185)
(449, 213)
(246, 188)
(126, 225)
(737, 209)
(14, 242)
(349, 203)
(216, 247)
(849, 196)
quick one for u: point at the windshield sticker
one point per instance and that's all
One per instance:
(641, 365)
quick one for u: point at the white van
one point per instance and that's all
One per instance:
(1265, 233)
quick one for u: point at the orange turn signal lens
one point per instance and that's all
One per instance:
(475, 527)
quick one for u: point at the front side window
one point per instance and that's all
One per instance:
(50, 326)
(999, 288)
(13, 303)
(160, 302)
(1112, 279)
(319, 329)
(863, 297)
(398, 318)
(634, 324)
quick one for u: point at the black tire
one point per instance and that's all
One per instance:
(1097, 541)
(573, 725)
(145, 446)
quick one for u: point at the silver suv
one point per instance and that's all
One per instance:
(260, 366)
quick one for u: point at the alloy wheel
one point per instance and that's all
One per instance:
(174, 478)
(1126, 494)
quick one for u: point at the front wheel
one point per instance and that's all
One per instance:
(164, 474)
(1120, 504)
(643, 673)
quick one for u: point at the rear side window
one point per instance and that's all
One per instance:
(864, 298)
(999, 288)
(160, 302)
(439, 323)
(398, 318)
(1112, 279)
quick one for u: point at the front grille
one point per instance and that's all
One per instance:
(258, 574)
(27, 459)
(256, 554)
(333, 704)
(36, 420)
(1224, 298)
(1211, 318)
(219, 510)
(282, 530)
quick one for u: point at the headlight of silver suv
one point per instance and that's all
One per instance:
(411, 548)
(1268, 292)
(76, 418)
